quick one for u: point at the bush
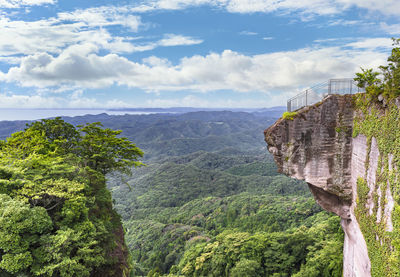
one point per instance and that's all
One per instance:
(289, 115)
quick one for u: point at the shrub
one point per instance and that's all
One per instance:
(289, 115)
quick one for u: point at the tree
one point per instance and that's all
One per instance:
(58, 132)
(391, 72)
(247, 268)
(386, 82)
(367, 78)
(102, 150)
(56, 215)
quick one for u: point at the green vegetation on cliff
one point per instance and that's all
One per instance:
(383, 125)
(289, 115)
(56, 215)
(378, 118)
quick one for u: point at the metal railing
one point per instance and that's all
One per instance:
(316, 93)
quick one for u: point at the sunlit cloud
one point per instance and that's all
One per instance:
(53, 35)
(81, 66)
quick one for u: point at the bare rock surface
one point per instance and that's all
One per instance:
(317, 146)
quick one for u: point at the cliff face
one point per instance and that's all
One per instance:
(317, 146)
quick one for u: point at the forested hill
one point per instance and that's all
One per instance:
(165, 134)
(56, 214)
(210, 203)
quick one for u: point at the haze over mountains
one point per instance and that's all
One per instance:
(20, 117)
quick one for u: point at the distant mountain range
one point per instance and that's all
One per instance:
(191, 109)
(151, 115)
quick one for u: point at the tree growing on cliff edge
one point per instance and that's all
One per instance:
(59, 219)
(387, 81)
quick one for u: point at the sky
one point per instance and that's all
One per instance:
(184, 53)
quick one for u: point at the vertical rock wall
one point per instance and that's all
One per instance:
(317, 146)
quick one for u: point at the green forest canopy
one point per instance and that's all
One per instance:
(56, 217)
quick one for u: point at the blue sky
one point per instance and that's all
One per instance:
(171, 53)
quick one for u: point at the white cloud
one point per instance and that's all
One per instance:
(246, 6)
(342, 22)
(75, 99)
(175, 40)
(317, 7)
(392, 29)
(174, 4)
(321, 7)
(268, 38)
(167, 41)
(52, 35)
(26, 101)
(21, 3)
(387, 7)
(81, 66)
(248, 33)
(75, 65)
(204, 102)
(372, 43)
(329, 40)
(10, 60)
(104, 16)
(118, 45)
(19, 37)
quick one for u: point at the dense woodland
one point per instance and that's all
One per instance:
(215, 206)
(56, 215)
(209, 201)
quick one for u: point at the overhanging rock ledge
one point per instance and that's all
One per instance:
(317, 146)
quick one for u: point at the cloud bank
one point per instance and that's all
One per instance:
(81, 66)
(317, 7)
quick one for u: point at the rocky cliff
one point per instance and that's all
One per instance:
(332, 146)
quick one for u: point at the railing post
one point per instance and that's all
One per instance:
(329, 87)
(351, 86)
(338, 86)
(306, 97)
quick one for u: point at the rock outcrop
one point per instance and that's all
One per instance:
(317, 146)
